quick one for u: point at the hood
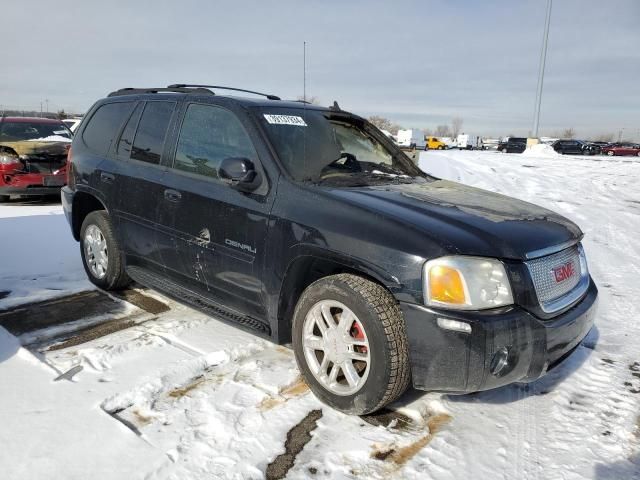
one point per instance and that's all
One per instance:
(30, 147)
(466, 220)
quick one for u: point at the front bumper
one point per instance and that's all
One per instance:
(452, 361)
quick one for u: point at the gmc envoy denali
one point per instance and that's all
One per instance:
(308, 225)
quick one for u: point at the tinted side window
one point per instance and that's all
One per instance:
(149, 139)
(210, 134)
(126, 139)
(104, 125)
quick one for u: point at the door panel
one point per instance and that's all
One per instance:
(142, 182)
(212, 237)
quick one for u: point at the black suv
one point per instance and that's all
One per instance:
(513, 145)
(575, 147)
(308, 225)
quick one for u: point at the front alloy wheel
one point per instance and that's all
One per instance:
(350, 343)
(336, 348)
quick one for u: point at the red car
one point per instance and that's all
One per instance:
(33, 156)
(622, 149)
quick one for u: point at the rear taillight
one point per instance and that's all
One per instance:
(68, 166)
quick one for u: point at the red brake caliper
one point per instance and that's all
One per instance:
(358, 334)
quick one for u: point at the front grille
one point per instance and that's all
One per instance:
(556, 276)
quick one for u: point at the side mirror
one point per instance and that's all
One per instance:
(239, 173)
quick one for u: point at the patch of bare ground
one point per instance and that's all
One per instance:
(297, 438)
(180, 392)
(399, 455)
(293, 390)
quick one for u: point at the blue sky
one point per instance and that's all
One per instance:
(418, 63)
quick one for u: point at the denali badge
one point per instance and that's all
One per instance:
(241, 246)
(564, 272)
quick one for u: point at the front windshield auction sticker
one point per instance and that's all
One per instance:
(285, 120)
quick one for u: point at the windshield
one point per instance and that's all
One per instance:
(326, 147)
(17, 131)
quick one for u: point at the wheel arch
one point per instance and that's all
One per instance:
(306, 268)
(83, 204)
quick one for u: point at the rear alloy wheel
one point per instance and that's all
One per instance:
(101, 254)
(350, 343)
(504, 150)
(638, 154)
(610, 153)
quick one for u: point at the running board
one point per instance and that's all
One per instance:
(195, 300)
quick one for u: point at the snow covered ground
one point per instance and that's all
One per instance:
(178, 395)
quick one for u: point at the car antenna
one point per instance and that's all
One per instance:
(304, 103)
(335, 107)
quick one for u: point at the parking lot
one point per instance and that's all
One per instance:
(140, 386)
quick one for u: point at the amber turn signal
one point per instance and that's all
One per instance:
(446, 285)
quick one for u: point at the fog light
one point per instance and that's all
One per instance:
(455, 325)
(499, 361)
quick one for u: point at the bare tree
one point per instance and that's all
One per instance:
(443, 131)
(568, 133)
(605, 137)
(456, 126)
(385, 124)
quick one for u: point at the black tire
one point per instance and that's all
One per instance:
(115, 277)
(441, 147)
(4, 198)
(381, 318)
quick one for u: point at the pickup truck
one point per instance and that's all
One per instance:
(309, 226)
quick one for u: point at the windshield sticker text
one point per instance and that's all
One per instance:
(285, 120)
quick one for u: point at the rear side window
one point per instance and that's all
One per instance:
(104, 125)
(126, 139)
(152, 129)
(210, 134)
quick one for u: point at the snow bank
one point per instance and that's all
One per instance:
(540, 150)
(39, 258)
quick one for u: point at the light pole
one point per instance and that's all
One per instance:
(543, 59)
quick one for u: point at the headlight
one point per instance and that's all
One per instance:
(466, 283)
(7, 158)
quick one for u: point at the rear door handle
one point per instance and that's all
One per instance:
(107, 177)
(172, 195)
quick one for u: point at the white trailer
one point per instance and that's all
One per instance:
(467, 141)
(412, 138)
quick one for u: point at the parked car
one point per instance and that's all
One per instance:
(434, 143)
(72, 123)
(308, 225)
(513, 145)
(574, 147)
(33, 156)
(622, 149)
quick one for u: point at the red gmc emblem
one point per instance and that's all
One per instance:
(564, 272)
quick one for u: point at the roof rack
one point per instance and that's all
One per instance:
(218, 87)
(137, 91)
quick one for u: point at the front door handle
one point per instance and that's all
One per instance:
(107, 177)
(172, 195)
